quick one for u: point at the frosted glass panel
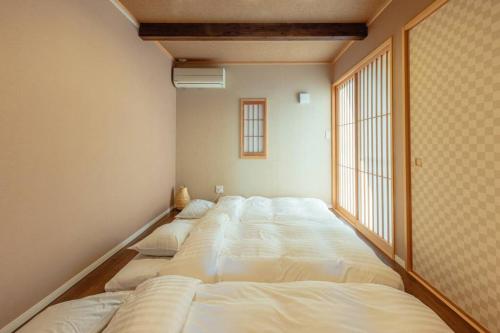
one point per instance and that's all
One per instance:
(346, 162)
(374, 127)
(253, 128)
(364, 155)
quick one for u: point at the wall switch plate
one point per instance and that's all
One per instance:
(219, 189)
(418, 162)
(328, 134)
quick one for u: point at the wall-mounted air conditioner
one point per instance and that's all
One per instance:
(199, 77)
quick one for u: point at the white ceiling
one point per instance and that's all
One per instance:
(254, 11)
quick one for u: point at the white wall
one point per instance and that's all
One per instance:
(299, 157)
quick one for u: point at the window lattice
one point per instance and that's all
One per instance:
(253, 128)
(364, 147)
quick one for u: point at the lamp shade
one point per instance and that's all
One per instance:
(181, 197)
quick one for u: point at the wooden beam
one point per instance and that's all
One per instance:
(253, 31)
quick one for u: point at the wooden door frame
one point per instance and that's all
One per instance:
(408, 163)
(370, 235)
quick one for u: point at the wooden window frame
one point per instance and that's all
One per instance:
(253, 155)
(388, 249)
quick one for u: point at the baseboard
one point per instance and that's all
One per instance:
(476, 325)
(400, 261)
(31, 312)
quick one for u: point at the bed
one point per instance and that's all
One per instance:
(267, 240)
(277, 240)
(174, 304)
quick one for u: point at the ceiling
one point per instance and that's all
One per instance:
(254, 11)
(254, 51)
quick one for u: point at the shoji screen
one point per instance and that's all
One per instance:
(364, 148)
(253, 128)
(346, 152)
(375, 147)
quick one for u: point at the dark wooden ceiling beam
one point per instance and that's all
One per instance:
(253, 31)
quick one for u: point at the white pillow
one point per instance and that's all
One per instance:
(158, 305)
(166, 240)
(90, 315)
(195, 209)
(138, 270)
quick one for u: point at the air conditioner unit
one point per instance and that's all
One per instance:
(199, 77)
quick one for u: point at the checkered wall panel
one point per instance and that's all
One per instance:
(455, 131)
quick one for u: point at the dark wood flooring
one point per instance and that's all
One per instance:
(94, 282)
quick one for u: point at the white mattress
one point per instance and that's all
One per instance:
(173, 304)
(86, 315)
(136, 271)
(308, 306)
(266, 240)
(277, 240)
(139, 269)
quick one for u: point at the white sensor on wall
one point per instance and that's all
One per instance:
(199, 77)
(304, 98)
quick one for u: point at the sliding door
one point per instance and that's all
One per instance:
(346, 152)
(364, 148)
(452, 106)
(374, 131)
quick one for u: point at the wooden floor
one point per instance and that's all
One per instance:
(412, 286)
(94, 282)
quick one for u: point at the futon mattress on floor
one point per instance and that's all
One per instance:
(277, 240)
(174, 304)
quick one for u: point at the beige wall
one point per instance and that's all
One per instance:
(299, 154)
(87, 141)
(389, 24)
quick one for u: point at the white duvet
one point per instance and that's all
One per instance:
(173, 304)
(86, 315)
(277, 240)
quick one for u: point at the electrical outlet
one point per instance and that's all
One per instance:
(219, 189)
